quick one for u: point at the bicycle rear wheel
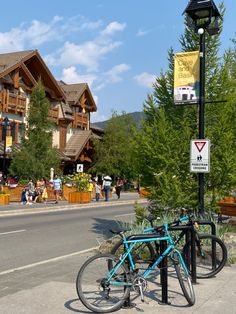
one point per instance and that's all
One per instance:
(208, 263)
(184, 279)
(143, 254)
(95, 291)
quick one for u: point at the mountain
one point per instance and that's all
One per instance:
(137, 116)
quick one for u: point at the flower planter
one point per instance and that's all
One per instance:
(79, 197)
(228, 206)
(67, 190)
(4, 199)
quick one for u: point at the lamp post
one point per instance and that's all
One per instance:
(5, 124)
(203, 15)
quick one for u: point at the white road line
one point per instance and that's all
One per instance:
(132, 214)
(54, 259)
(10, 232)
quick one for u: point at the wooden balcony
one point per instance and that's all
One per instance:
(80, 120)
(12, 102)
(54, 114)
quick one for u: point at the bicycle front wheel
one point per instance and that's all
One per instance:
(184, 279)
(96, 290)
(211, 255)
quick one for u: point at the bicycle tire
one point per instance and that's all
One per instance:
(95, 292)
(142, 254)
(184, 280)
(204, 261)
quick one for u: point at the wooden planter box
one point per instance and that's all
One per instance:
(4, 199)
(143, 193)
(228, 206)
(15, 193)
(79, 197)
(67, 190)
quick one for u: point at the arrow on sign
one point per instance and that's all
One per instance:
(200, 145)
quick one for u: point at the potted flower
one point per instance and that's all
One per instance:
(4, 198)
(80, 181)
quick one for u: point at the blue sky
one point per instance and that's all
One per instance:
(118, 47)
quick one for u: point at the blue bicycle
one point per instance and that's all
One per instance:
(104, 281)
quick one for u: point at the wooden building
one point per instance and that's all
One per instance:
(71, 105)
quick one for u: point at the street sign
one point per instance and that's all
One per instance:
(80, 168)
(200, 156)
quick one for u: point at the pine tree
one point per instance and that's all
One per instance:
(36, 156)
(164, 143)
(113, 155)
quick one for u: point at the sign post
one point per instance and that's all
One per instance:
(200, 156)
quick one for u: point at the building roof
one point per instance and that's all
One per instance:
(34, 66)
(74, 92)
(76, 143)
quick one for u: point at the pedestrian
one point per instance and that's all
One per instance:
(106, 186)
(98, 190)
(119, 184)
(30, 192)
(57, 188)
(23, 199)
(1, 181)
(90, 188)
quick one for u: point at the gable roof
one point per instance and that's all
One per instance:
(73, 93)
(31, 60)
(76, 143)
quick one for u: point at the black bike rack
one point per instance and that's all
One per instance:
(190, 234)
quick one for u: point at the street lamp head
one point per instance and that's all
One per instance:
(6, 122)
(200, 31)
(202, 13)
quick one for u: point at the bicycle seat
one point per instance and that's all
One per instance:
(143, 236)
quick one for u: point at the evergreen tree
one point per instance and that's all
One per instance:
(114, 153)
(36, 156)
(163, 147)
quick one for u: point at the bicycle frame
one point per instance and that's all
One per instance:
(129, 245)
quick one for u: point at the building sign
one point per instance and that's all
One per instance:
(8, 144)
(186, 78)
(200, 156)
(80, 168)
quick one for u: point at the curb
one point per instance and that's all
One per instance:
(38, 210)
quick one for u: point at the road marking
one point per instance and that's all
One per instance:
(10, 232)
(54, 259)
(124, 215)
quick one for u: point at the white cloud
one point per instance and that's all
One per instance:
(114, 75)
(98, 117)
(145, 79)
(36, 33)
(71, 76)
(141, 32)
(32, 35)
(113, 27)
(87, 54)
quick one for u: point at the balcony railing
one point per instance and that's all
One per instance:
(80, 120)
(12, 102)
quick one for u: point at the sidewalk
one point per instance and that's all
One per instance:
(15, 208)
(216, 295)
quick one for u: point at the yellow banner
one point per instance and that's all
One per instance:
(186, 78)
(8, 141)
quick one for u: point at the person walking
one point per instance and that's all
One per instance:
(106, 186)
(98, 189)
(119, 184)
(57, 188)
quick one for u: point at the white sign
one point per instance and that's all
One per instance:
(80, 168)
(200, 156)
